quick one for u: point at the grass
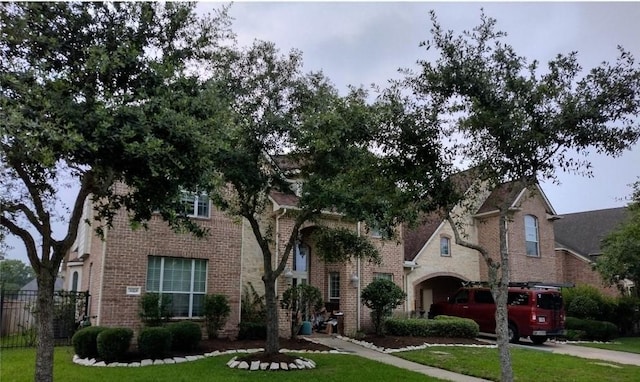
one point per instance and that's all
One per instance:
(625, 344)
(528, 365)
(17, 365)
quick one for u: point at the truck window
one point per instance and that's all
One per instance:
(518, 298)
(550, 301)
(462, 297)
(483, 297)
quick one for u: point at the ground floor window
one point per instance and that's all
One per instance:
(381, 275)
(185, 280)
(334, 287)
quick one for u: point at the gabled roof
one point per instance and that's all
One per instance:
(284, 200)
(416, 238)
(501, 192)
(582, 232)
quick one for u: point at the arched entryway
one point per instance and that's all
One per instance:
(435, 288)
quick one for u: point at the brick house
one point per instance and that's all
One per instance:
(435, 265)
(127, 263)
(578, 238)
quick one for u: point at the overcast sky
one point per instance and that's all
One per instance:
(361, 43)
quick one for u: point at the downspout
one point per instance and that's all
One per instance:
(242, 244)
(358, 313)
(284, 211)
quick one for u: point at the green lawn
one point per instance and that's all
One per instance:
(18, 365)
(528, 365)
(626, 344)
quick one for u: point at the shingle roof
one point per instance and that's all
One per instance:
(416, 238)
(284, 200)
(582, 232)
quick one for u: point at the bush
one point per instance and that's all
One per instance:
(252, 307)
(382, 296)
(154, 342)
(154, 309)
(603, 310)
(593, 330)
(627, 314)
(216, 309)
(441, 326)
(185, 335)
(113, 343)
(85, 341)
(252, 330)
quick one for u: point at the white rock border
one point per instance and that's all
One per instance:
(371, 346)
(306, 364)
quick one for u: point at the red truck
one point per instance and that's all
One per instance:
(535, 310)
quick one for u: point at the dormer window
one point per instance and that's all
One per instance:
(196, 204)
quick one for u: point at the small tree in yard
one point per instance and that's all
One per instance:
(300, 301)
(382, 296)
(518, 125)
(154, 309)
(216, 310)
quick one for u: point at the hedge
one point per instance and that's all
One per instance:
(113, 343)
(154, 342)
(590, 329)
(441, 326)
(252, 331)
(185, 335)
(85, 341)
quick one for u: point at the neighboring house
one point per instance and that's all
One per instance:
(435, 266)
(33, 285)
(578, 238)
(128, 263)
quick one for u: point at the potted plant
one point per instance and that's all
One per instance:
(301, 301)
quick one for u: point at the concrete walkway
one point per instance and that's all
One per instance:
(590, 353)
(350, 347)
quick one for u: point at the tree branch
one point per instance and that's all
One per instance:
(27, 239)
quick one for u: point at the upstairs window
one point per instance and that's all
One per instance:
(195, 204)
(445, 246)
(531, 235)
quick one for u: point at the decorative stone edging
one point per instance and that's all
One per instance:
(299, 364)
(189, 358)
(371, 346)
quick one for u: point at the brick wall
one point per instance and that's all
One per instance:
(579, 271)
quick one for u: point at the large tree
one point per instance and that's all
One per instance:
(620, 259)
(517, 124)
(330, 138)
(92, 94)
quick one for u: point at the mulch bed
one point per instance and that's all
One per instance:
(222, 344)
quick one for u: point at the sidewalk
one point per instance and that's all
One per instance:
(349, 347)
(590, 353)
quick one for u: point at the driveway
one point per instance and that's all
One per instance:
(585, 352)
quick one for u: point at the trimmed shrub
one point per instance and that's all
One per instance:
(154, 309)
(583, 307)
(216, 310)
(382, 296)
(603, 310)
(442, 326)
(252, 330)
(185, 335)
(113, 343)
(154, 342)
(593, 330)
(85, 341)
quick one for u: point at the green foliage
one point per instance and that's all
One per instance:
(301, 301)
(620, 257)
(338, 245)
(252, 308)
(185, 335)
(154, 309)
(252, 330)
(216, 310)
(591, 303)
(85, 341)
(627, 314)
(591, 329)
(442, 326)
(113, 343)
(154, 342)
(14, 274)
(381, 296)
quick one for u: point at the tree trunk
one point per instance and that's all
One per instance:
(44, 324)
(271, 302)
(500, 295)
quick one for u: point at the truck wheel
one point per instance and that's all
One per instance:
(538, 340)
(514, 338)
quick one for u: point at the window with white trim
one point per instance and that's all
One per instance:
(531, 235)
(185, 280)
(445, 246)
(334, 287)
(195, 204)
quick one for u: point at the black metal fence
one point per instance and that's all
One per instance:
(18, 321)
